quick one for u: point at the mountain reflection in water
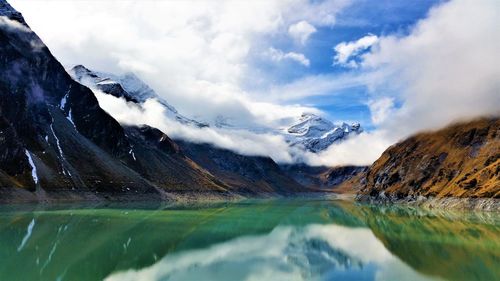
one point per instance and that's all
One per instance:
(251, 240)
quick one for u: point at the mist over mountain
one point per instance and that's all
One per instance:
(57, 142)
(103, 134)
(297, 138)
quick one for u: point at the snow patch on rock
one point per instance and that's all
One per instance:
(33, 167)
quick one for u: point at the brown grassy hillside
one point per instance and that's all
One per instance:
(461, 160)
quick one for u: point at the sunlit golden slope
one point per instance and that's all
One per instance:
(461, 160)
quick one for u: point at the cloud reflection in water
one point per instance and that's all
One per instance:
(314, 252)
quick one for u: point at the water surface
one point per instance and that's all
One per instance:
(281, 239)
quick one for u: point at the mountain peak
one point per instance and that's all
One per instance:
(6, 10)
(128, 86)
(316, 133)
(80, 68)
(310, 125)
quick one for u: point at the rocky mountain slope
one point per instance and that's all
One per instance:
(57, 143)
(321, 177)
(243, 174)
(248, 175)
(129, 87)
(461, 160)
(310, 132)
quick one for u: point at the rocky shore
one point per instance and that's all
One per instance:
(478, 204)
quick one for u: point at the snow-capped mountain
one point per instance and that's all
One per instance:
(310, 132)
(129, 87)
(57, 142)
(316, 133)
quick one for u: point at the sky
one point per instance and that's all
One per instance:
(397, 67)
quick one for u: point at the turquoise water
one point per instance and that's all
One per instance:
(250, 240)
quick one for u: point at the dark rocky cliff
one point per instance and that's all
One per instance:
(57, 143)
(55, 139)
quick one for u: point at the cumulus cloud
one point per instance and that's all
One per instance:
(381, 109)
(198, 57)
(195, 54)
(445, 69)
(279, 55)
(346, 51)
(301, 31)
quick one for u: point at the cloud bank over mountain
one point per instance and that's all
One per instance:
(195, 54)
(203, 57)
(446, 69)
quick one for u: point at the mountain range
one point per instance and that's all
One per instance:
(57, 143)
(309, 131)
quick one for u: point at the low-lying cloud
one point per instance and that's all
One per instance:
(446, 69)
(199, 59)
(433, 76)
(242, 141)
(195, 54)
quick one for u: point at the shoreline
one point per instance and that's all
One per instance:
(20, 197)
(457, 203)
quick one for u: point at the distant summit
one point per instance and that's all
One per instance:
(310, 132)
(316, 133)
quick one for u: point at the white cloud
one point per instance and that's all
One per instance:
(445, 69)
(381, 109)
(345, 51)
(12, 24)
(317, 13)
(282, 254)
(239, 140)
(279, 55)
(301, 31)
(360, 150)
(317, 85)
(198, 57)
(195, 54)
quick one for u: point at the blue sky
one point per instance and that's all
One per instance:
(397, 67)
(118, 36)
(357, 20)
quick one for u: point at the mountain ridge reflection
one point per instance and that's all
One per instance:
(257, 239)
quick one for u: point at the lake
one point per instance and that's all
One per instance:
(275, 239)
